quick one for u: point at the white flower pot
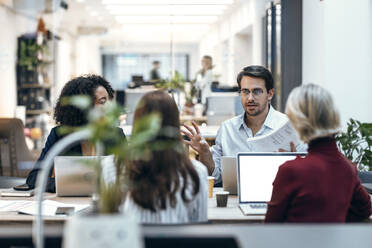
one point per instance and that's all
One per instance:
(109, 231)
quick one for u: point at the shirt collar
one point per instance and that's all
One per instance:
(269, 121)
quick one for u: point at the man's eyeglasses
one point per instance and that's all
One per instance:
(255, 92)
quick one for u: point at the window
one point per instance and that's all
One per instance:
(118, 69)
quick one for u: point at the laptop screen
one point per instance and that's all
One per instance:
(256, 173)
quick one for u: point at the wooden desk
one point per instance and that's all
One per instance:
(186, 119)
(208, 132)
(229, 214)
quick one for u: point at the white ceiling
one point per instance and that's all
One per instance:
(184, 21)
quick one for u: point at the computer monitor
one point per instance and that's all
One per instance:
(137, 79)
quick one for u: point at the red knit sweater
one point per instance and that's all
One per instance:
(322, 187)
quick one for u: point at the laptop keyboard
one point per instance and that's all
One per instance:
(260, 205)
(253, 208)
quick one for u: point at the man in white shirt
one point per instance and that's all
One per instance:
(256, 88)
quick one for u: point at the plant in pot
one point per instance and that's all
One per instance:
(177, 82)
(356, 144)
(190, 94)
(107, 225)
(173, 86)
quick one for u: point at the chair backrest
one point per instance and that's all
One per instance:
(13, 148)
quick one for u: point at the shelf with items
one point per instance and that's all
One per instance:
(38, 111)
(35, 75)
(28, 86)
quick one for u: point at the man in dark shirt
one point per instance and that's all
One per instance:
(154, 74)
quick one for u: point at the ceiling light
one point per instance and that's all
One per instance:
(168, 2)
(166, 19)
(164, 27)
(166, 10)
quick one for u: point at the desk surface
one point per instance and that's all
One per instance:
(208, 132)
(229, 214)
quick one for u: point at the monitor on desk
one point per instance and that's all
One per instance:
(256, 173)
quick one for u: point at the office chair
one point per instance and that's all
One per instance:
(13, 148)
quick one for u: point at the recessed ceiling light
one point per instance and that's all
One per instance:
(167, 2)
(166, 19)
(165, 27)
(166, 10)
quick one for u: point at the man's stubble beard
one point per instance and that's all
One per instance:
(259, 111)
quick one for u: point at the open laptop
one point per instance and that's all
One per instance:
(256, 173)
(76, 175)
(228, 170)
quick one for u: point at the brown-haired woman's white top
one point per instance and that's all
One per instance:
(190, 212)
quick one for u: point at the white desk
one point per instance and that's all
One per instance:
(229, 214)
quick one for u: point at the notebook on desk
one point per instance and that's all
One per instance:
(76, 175)
(256, 173)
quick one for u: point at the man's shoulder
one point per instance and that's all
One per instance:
(279, 115)
(277, 119)
(232, 121)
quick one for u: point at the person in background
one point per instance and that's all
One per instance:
(204, 78)
(323, 186)
(100, 92)
(167, 188)
(256, 89)
(154, 74)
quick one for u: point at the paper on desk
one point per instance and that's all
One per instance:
(279, 138)
(14, 206)
(30, 207)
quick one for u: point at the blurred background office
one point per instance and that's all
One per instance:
(325, 42)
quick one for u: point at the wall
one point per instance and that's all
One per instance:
(88, 56)
(12, 26)
(236, 41)
(65, 63)
(337, 53)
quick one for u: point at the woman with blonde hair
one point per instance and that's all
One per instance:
(204, 78)
(323, 186)
(168, 188)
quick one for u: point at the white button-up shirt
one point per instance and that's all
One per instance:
(234, 135)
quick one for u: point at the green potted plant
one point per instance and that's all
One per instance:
(28, 54)
(110, 196)
(190, 94)
(356, 144)
(177, 82)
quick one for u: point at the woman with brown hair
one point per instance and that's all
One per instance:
(168, 187)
